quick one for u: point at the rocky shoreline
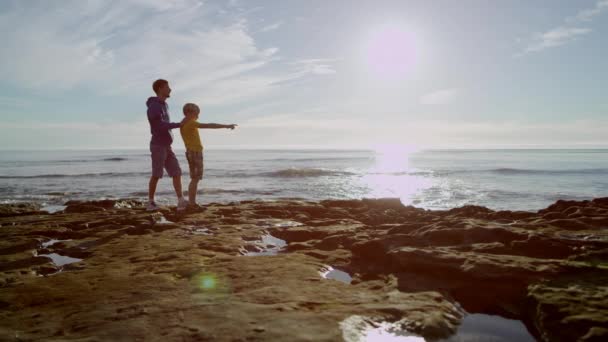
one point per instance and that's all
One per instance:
(300, 271)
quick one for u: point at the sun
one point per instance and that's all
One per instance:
(391, 50)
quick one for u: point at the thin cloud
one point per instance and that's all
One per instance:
(440, 97)
(120, 47)
(556, 37)
(271, 27)
(565, 34)
(317, 66)
(588, 14)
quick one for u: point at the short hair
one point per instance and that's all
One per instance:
(190, 108)
(159, 84)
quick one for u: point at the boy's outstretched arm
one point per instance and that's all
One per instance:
(214, 125)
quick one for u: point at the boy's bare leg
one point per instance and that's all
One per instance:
(152, 187)
(177, 185)
(192, 188)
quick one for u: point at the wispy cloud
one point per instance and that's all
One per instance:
(271, 27)
(588, 14)
(317, 66)
(556, 37)
(439, 97)
(567, 33)
(301, 121)
(118, 47)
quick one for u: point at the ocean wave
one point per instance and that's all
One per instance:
(499, 171)
(213, 191)
(62, 193)
(318, 172)
(69, 161)
(509, 171)
(244, 191)
(283, 173)
(514, 171)
(404, 173)
(115, 159)
(80, 175)
(320, 159)
(304, 172)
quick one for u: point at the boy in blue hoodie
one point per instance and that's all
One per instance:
(160, 144)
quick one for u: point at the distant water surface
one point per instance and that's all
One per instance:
(439, 179)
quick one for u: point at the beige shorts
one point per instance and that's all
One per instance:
(195, 162)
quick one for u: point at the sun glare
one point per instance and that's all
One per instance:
(391, 50)
(392, 176)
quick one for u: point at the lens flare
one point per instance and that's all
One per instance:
(209, 287)
(208, 282)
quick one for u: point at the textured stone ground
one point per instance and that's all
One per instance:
(218, 274)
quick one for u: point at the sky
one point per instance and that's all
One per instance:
(322, 74)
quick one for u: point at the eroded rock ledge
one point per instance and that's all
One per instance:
(108, 270)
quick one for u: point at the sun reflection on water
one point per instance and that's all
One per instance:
(391, 175)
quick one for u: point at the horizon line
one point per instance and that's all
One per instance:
(330, 148)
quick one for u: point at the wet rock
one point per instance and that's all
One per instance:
(343, 204)
(601, 202)
(138, 278)
(18, 209)
(578, 301)
(510, 215)
(108, 204)
(469, 234)
(17, 248)
(568, 223)
(562, 205)
(83, 208)
(383, 203)
(102, 205)
(470, 211)
(22, 263)
(473, 266)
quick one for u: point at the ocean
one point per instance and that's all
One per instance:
(518, 179)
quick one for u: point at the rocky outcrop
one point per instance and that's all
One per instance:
(577, 301)
(17, 209)
(255, 270)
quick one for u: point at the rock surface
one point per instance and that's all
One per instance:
(109, 270)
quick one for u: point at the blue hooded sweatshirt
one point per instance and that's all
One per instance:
(160, 123)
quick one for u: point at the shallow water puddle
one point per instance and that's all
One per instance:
(473, 328)
(482, 327)
(51, 209)
(329, 272)
(201, 231)
(596, 236)
(60, 260)
(360, 329)
(161, 219)
(52, 242)
(287, 224)
(270, 246)
(278, 223)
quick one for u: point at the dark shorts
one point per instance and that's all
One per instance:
(164, 158)
(195, 162)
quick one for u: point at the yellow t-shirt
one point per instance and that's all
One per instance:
(190, 136)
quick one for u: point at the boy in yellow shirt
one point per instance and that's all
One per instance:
(194, 147)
